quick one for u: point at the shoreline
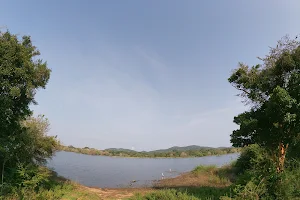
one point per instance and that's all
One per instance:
(147, 157)
(202, 178)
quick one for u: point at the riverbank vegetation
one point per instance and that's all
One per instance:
(204, 182)
(250, 178)
(51, 188)
(172, 153)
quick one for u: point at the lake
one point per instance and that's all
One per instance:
(112, 172)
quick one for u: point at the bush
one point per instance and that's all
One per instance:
(165, 195)
(293, 151)
(258, 177)
(250, 191)
(250, 158)
(287, 186)
(208, 169)
(34, 182)
(23, 169)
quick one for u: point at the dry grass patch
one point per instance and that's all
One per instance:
(209, 176)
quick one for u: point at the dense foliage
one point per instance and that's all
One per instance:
(268, 167)
(257, 177)
(152, 154)
(272, 89)
(24, 143)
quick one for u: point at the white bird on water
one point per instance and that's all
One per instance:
(162, 175)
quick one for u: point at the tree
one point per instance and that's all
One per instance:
(21, 75)
(37, 146)
(272, 90)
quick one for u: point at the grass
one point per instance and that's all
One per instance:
(204, 183)
(206, 169)
(60, 191)
(209, 176)
(199, 193)
(55, 188)
(164, 194)
(79, 193)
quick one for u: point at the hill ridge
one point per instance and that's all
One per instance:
(173, 148)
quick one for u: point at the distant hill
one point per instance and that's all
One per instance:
(119, 149)
(222, 147)
(175, 148)
(186, 148)
(172, 152)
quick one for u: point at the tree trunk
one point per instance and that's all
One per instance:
(281, 156)
(2, 176)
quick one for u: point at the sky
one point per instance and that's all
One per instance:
(146, 74)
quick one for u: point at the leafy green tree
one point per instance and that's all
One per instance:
(37, 145)
(21, 75)
(272, 90)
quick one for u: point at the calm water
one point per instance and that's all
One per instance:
(103, 171)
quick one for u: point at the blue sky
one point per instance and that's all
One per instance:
(146, 74)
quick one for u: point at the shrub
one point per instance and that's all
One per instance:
(165, 195)
(250, 191)
(252, 157)
(257, 176)
(208, 169)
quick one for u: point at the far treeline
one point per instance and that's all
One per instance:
(173, 152)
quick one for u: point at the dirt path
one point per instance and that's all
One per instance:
(117, 193)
